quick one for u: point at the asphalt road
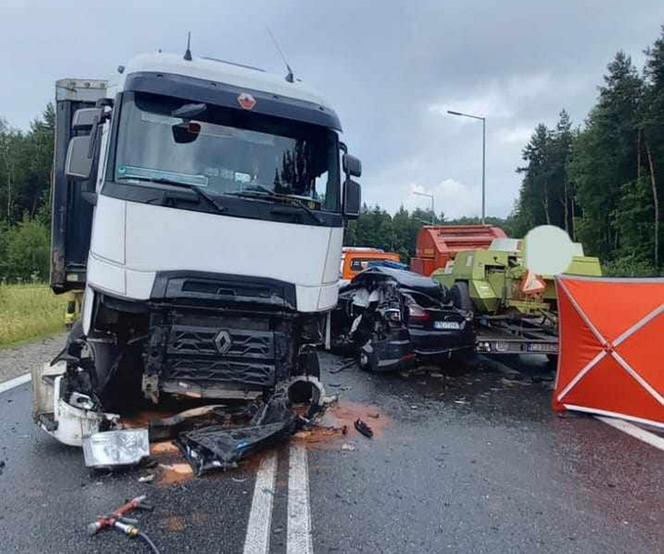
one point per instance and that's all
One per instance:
(462, 460)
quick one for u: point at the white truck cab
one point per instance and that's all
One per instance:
(201, 206)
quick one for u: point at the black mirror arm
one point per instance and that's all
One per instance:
(93, 137)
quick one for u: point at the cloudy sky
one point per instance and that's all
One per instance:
(390, 68)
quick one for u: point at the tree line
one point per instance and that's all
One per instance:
(26, 158)
(398, 232)
(602, 181)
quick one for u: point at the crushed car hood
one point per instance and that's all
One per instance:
(404, 279)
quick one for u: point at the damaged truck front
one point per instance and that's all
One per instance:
(200, 207)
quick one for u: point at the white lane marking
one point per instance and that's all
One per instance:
(257, 540)
(299, 515)
(12, 383)
(637, 432)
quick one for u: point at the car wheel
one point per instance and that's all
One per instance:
(461, 297)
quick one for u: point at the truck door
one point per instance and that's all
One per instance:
(71, 212)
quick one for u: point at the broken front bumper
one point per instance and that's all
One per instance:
(67, 423)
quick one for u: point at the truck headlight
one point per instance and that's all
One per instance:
(116, 448)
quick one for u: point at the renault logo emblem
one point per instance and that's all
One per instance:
(223, 342)
(246, 101)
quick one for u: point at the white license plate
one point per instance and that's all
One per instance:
(446, 325)
(543, 347)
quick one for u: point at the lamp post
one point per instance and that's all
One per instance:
(483, 120)
(433, 212)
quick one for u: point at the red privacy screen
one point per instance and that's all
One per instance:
(611, 347)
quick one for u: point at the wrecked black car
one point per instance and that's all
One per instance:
(393, 319)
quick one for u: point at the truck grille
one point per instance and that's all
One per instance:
(206, 349)
(186, 340)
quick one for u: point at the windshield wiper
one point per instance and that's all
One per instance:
(200, 193)
(262, 191)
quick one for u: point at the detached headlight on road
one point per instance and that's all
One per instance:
(114, 448)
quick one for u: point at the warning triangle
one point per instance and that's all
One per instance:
(532, 284)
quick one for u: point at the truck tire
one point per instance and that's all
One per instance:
(461, 297)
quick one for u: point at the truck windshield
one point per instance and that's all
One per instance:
(226, 151)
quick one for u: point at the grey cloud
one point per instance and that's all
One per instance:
(386, 66)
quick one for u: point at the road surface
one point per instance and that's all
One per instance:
(462, 461)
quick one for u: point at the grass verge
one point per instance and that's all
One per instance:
(28, 312)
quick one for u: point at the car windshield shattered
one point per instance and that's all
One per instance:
(221, 151)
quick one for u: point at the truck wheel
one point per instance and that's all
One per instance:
(461, 297)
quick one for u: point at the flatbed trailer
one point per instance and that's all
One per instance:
(509, 334)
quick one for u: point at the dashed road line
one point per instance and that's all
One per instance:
(635, 431)
(299, 514)
(13, 383)
(257, 540)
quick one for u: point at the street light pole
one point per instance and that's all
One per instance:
(433, 211)
(483, 170)
(483, 120)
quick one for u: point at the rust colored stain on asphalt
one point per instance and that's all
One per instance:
(175, 524)
(174, 474)
(145, 418)
(159, 449)
(344, 414)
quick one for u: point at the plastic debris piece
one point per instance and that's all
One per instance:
(363, 428)
(215, 447)
(348, 446)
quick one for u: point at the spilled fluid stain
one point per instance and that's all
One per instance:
(145, 418)
(335, 426)
(175, 474)
(171, 468)
(341, 417)
(175, 524)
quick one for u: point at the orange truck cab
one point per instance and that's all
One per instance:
(355, 259)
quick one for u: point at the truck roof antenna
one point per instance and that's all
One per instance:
(289, 77)
(187, 54)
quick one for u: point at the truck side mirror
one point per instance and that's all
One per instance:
(80, 152)
(84, 119)
(352, 166)
(77, 163)
(352, 199)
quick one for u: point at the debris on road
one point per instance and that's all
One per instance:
(220, 447)
(122, 447)
(119, 521)
(348, 446)
(146, 478)
(343, 366)
(363, 428)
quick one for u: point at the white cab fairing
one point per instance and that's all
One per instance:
(215, 70)
(128, 249)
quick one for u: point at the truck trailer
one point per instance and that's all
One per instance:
(199, 205)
